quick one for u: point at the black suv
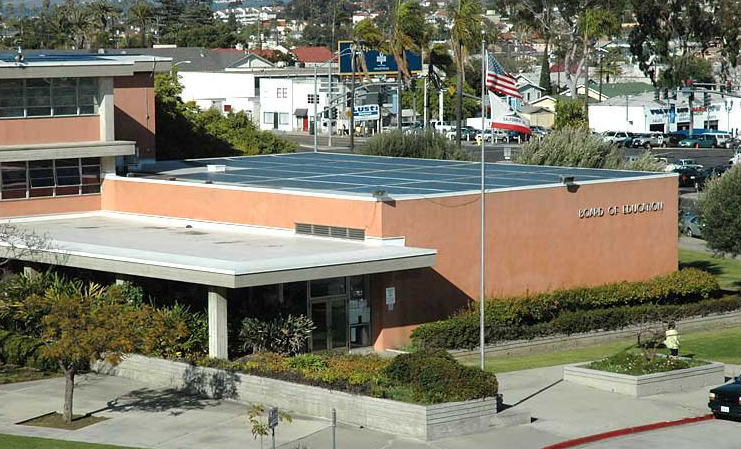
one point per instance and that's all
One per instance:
(726, 400)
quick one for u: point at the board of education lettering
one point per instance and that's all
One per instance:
(625, 209)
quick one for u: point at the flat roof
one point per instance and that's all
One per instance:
(357, 175)
(40, 63)
(207, 253)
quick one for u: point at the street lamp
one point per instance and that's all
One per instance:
(329, 96)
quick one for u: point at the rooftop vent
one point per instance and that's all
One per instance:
(330, 231)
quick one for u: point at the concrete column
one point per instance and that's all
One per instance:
(31, 270)
(105, 108)
(217, 332)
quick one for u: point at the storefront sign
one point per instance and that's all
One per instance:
(625, 209)
(367, 112)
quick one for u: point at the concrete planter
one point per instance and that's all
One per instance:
(417, 421)
(639, 386)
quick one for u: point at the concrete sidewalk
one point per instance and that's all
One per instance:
(146, 416)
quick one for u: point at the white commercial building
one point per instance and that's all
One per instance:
(641, 113)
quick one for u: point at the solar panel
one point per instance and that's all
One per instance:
(356, 174)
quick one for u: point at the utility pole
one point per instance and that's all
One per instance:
(316, 124)
(399, 109)
(482, 340)
(426, 117)
(459, 97)
(329, 100)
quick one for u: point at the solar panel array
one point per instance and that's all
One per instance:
(352, 174)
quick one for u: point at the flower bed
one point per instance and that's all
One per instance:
(656, 377)
(424, 377)
(636, 364)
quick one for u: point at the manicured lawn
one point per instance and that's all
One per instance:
(719, 346)
(15, 442)
(728, 271)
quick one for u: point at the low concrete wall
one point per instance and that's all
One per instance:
(559, 342)
(639, 386)
(417, 421)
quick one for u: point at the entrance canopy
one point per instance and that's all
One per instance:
(220, 255)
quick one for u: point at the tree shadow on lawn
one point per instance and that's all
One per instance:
(704, 265)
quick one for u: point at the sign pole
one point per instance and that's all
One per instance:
(483, 200)
(329, 104)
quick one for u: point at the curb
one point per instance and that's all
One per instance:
(627, 431)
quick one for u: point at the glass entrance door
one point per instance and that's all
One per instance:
(330, 319)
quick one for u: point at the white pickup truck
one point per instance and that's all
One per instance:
(441, 127)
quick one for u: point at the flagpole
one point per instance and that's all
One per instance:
(483, 196)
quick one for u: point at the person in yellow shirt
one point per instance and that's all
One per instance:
(672, 339)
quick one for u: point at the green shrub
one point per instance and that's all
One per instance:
(427, 145)
(307, 363)
(436, 377)
(284, 335)
(16, 349)
(575, 146)
(526, 317)
(190, 343)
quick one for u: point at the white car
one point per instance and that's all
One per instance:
(690, 163)
(616, 137)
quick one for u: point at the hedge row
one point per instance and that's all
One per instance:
(464, 333)
(16, 349)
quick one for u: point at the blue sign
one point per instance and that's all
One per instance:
(672, 114)
(366, 112)
(375, 61)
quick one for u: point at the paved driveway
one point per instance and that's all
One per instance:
(715, 434)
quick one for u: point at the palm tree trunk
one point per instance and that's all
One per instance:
(459, 99)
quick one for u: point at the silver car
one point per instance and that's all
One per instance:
(691, 225)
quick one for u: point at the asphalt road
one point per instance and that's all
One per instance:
(715, 434)
(704, 156)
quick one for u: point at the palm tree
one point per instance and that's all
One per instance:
(104, 12)
(140, 14)
(465, 34)
(80, 23)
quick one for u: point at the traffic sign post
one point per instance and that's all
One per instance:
(273, 420)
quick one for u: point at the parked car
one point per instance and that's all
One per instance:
(720, 138)
(647, 140)
(671, 139)
(441, 127)
(690, 177)
(414, 128)
(701, 141)
(491, 134)
(691, 225)
(514, 136)
(733, 144)
(725, 401)
(467, 133)
(539, 131)
(620, 138)
(689, 163)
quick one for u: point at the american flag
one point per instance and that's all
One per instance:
(498, 80)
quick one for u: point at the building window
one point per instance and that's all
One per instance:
(60, 177)
(282, 92)
(267, 118)
(43, 97)
(313, 99)
(283, 118)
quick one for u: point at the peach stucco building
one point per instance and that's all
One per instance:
(368, 247)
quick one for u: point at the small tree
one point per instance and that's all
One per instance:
(258, 421)
(569, 113)
(720, 209)
(91, 323)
